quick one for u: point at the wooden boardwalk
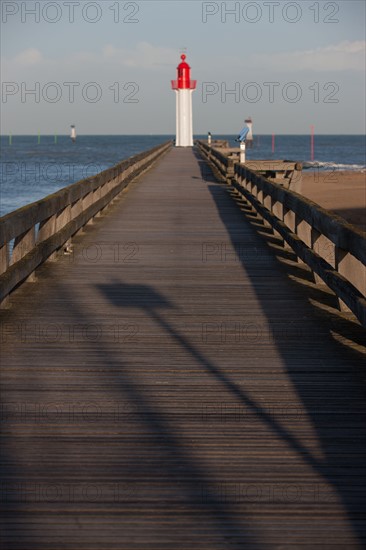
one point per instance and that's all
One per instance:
(173, 385)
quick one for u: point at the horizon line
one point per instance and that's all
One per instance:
(173, 134)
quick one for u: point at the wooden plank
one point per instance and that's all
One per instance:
(167, 386)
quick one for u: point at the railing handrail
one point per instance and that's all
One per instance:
(288, 171)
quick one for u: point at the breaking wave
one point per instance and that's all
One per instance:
(308, 165)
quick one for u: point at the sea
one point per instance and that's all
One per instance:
(33, 167)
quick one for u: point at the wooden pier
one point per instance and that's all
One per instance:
(177, 379)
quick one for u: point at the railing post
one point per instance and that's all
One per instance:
(303, 231)
(289, 219)
(229, 171)
(242, 152)
(63, 218)
(261, 196)
(88, 201)
(277, 210)
(324, 248)
(4, 258)
(352, 269)
(97, 194)
(22, 245)
(267, 203)
(47, 228)
(4, 264)
(315, 236)
(296, 178)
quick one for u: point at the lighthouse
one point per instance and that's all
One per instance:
(183, 88)
(248, 121)
(73, 133)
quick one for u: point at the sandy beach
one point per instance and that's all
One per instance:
(342, 192)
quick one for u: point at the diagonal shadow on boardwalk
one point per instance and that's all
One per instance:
(146, 298)
(184, 471)
(338, 414)
(330, 397)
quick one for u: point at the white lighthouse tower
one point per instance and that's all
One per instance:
(73, 133)
(249, 122)
(183, 88)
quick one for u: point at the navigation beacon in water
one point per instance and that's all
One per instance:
(183, 88)
(73, 134)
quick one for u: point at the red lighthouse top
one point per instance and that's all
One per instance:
(183, 76)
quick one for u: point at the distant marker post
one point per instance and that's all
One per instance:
(10, 139)
(312, 142)
(242, 152)
(55, 138)
(39, 138)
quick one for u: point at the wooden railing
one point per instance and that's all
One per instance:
(285, 172)
(37, 231)
(223, 163)
(334, 250)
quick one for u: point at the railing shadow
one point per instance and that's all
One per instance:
(183, 469)
(322, 298)
(172, 458)
(355, 216)
(336, 413)
(169, 459)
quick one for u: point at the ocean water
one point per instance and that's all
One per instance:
(330, 152)
(31, 170)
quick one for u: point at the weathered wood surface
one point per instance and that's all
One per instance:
(334, 249)
(224, 163)
(60, 216)
(169, 386)
(287, 173)
(331, 247)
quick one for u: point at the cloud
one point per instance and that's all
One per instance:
(336, 57)
(144, 56)
(108, 61)
(31, 56)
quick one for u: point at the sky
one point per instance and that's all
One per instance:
(106, 66)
